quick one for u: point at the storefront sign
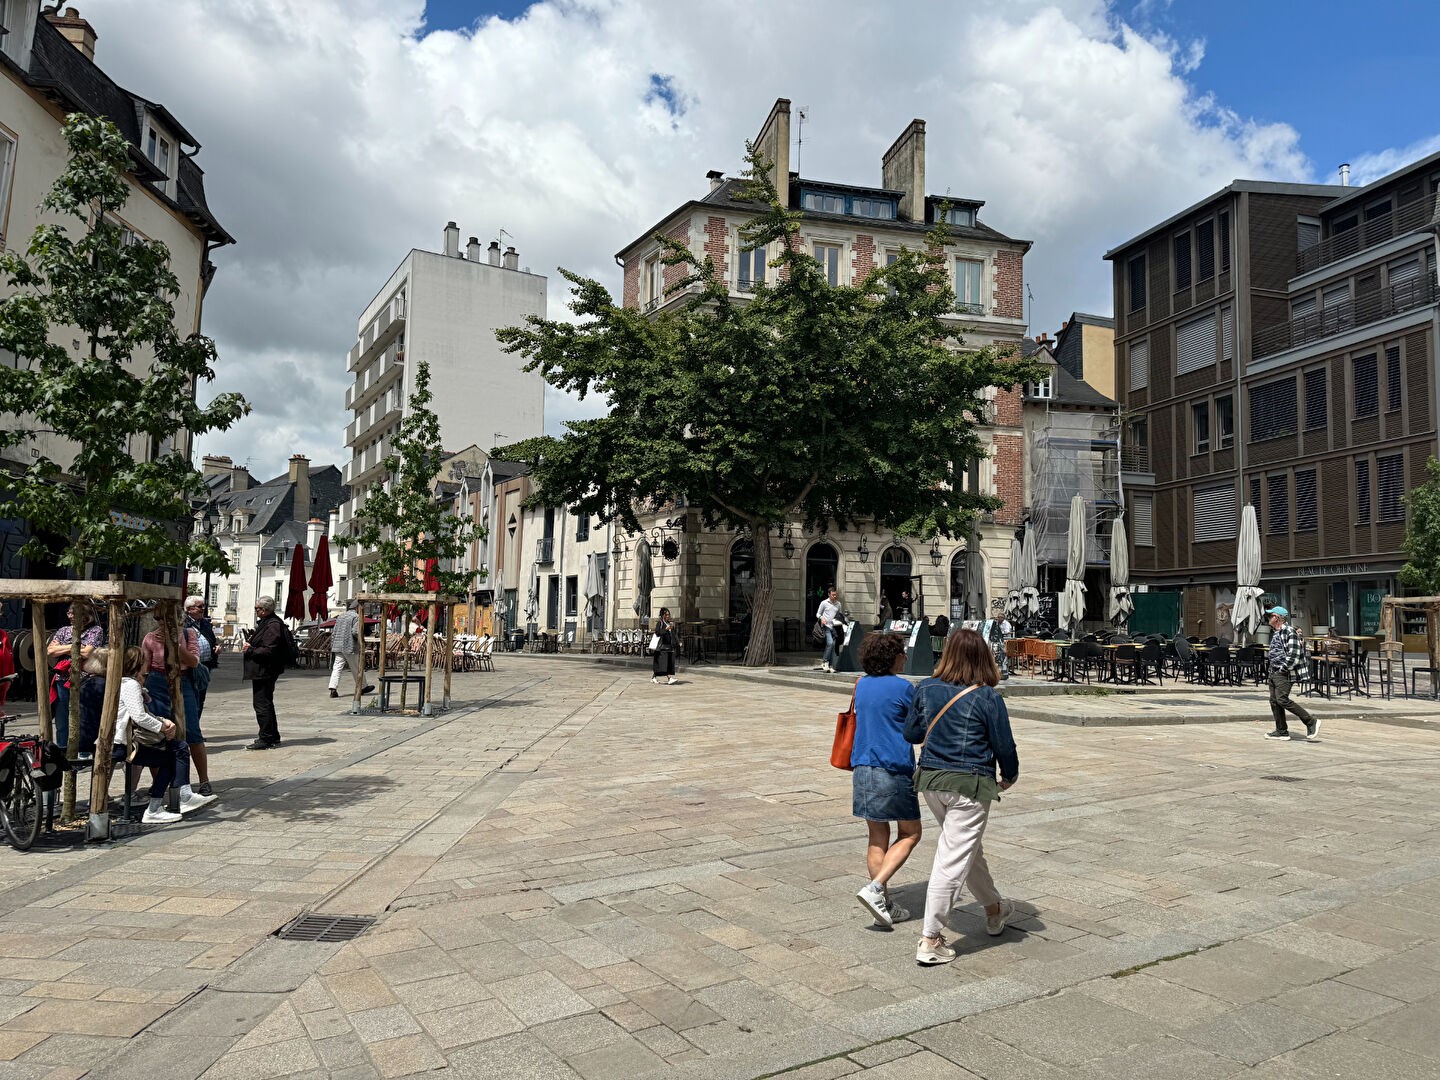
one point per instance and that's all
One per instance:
(1370, 600)
(1338, 570)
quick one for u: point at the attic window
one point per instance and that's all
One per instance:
(157, 149)
(959, 215)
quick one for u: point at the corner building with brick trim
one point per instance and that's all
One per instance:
(851, 229)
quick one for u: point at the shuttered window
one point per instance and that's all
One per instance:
(1205, 251)
(1214, 514)
(1307, 233)
(1144, 511)
(1335, 295)
(1392, 377)
(1139, 365)
(1255, 494)
(1316, 413)
(1278, 518)
(1224, 241)
(1137, 283)
(1404, 279)
(1195, 344)
(1227, 333)
(1273, 410)
(1367, 386)
(1392, 486)
(1182, 261)
(1306, 514)
(1302, 307)
(1362, 492)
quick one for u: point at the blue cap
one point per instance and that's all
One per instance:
(1284, 613)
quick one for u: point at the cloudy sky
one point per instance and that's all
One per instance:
(338, 134)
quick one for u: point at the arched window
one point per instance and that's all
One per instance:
(822, 565)
(896, 588)
(742, 578)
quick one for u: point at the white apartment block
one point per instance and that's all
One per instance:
(442, 308)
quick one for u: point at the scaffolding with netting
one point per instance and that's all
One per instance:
(1074, 453)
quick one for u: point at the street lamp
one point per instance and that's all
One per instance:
(863, 551)
(936, 555)
(788, 547)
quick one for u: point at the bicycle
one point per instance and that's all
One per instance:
(22, 759)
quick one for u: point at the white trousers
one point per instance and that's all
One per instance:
(959, 857)
(342, 661)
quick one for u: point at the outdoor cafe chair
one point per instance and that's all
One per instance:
(1390, 656)
(1150, 659)
(1127, 663)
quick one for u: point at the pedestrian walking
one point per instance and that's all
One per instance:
(963, 729)
(1284, 660)
(265, 656)
(345, 646)
(664, 649)
(884, 772)
(832, 626)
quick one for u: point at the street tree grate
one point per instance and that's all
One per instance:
(325, 928)
(1284, 779)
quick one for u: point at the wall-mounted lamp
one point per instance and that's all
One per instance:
(863, 551)
(936, 555)
(788, 547)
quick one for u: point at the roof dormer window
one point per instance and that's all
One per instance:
(160, 149)
(959, 215)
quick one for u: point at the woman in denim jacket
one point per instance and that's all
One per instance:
(956, 775)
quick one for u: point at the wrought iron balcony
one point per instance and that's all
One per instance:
(545, 549)
(1338, 318)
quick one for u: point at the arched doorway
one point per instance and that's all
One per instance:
(741, 580)
(896, 588)
(822, 565)
(958, 563)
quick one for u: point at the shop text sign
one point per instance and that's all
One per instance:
(1338, 570)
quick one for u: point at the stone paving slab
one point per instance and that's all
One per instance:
(579, 874)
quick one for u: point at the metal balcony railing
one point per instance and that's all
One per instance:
(545, 549)
(1135, 459)
(1337, 318)
(1404, 219)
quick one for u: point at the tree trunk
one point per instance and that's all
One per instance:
(72, 742)
(761, 650)
(405, 636)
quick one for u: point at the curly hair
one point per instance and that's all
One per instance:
(878, 653)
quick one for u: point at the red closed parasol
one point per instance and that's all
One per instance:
(321, 580)
(295, 595)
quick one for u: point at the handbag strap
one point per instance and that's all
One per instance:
(941, 713)
(852, 698)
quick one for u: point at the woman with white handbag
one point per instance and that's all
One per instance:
(662, 644)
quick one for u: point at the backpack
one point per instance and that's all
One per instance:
(289, 650)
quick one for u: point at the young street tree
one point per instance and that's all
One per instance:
(414, 537)
(99, 362)
(1422, 538)
(838, 403)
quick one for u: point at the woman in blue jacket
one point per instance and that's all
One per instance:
(964, 727)
(884, 764)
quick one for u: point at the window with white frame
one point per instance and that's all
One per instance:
(828, 256)
(969, 275)
(7, 172)
(652, 282)
(232, 602)
(959, 215)
(1044, 389)
(1214, 514)
(1139, 365)
(161, 151)
(1143, 520)
(752, 269)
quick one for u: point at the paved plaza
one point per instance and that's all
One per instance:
(576, 873)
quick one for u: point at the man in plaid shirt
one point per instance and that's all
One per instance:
(1285, 658)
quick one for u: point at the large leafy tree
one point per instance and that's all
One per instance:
(1422, 536)
(100, 363)
(835, 403)
(417, 540)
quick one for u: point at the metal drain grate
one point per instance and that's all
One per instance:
(1284, 779)
(325, 928)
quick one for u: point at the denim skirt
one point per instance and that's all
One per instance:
(881, 795)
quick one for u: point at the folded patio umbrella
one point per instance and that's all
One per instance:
(644, 579)
(1121, 604)
(1072, 600)
(295, 594)
(1029, 573)
(1015, 582)
(1247, 613)
(321, 580)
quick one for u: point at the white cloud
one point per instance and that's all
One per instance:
(335, 140)
(1374, 164)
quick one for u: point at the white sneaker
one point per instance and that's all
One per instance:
(673, 680)
(873, 901)
(929, 955)
(995, 924)
(656, 680)
(159, 817)
(195, 801)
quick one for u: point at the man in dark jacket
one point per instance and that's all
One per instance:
(264, 660)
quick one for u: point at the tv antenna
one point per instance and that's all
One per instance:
(804, 113)
(503, 234)
(1030, 317)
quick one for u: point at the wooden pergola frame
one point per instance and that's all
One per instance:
(115, 594)
(1390, 609)
(434, 603)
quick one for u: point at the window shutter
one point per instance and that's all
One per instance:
(1306, 518)
(1307, 234)
(1144, 530)
(1205, 251)
(1195, 345)
(1316, 415)
(1182, 261)
(1300, 308)
(1225, 241)
(1392, 487)
(1227, 333)
(1215, 514)
(1392, 376)
(1367, 387)
(1137, 283)
(1362, 492)
(1279, 516)
(1273, 410)
(1139, 365)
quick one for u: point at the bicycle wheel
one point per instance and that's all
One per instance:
(20, 813)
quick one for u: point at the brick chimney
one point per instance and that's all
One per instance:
(903, 169)
(75, 30)
(300, 482)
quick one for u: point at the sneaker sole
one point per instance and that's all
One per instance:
(880, 915)
(1313, 736)
(1277, 738)
(935, 962)
(1004, 923)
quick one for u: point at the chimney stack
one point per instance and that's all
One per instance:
(314, 529)
(1345, 175)
(300, 486)
(472, 249)
(452, 240)
(512, 259)
(75, 30)
(716, 178)
(216, 465)
(493, 253)
(903, 169)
